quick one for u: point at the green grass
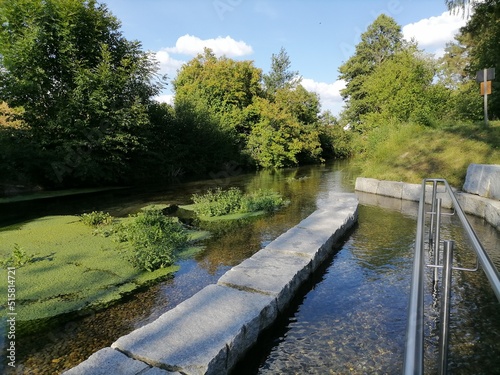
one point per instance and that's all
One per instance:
(411, 152)
(72, 268)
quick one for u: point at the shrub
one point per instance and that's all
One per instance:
(18, 258)
(218, 202)
(262, 200)
(154, 238)
(96, 218)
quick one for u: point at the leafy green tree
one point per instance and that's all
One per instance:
(280, 76)
(481, 35)
(455, 74)
(84, 87)
(221, 86)
(401, 88)
(382, 39)
(278, 139)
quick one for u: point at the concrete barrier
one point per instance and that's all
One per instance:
(211, 331)
(483, 180)
(486, 208)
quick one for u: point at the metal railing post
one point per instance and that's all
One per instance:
(414, 348)
(437, 239)
(433, 212)
(445, 306)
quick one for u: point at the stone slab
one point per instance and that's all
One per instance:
(314, 236)
(205, 334)
(275, 273)
(483, 180)
(368, 185)
(390, 188)
(108, 361)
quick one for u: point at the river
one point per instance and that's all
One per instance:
(349, 319)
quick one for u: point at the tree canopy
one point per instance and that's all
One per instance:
(83, 86)
(382, 39)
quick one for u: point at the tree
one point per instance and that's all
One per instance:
(85, 88)
(278, 139)
(402, 88)
(481, 35)
(382, 39)
(280, 76)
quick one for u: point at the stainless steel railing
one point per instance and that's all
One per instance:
(414, 346)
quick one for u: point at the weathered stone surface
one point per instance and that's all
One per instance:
(483, 180)
(390, 188)
(205, 334)
(158, 371)
(108, 361)
(368, 185)
(274, 273)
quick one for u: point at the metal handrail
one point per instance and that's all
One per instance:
(414, 348)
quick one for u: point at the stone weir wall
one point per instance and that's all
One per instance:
(481, 195)
(209, 332)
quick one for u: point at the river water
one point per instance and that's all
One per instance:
(350, 318)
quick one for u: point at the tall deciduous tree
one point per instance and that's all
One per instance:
(382, 40)
(84, 87)
(401, 88)
(220, 86)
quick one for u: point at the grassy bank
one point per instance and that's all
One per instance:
(409, 152)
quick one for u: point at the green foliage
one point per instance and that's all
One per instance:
(17, 258)
(411, 152)
(84, 87)
(277, 138)
(96, 218)
(411, 96)
(262, 200)
(220, 202)
(73, 270)
(154, 239)
(280, 76)
(382, 39)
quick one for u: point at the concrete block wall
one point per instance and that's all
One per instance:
(211, 331)
(483, 180)
(473, 204)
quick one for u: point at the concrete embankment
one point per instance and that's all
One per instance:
(480, 195)
(211, 331)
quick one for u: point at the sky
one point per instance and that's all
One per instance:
(318, 35)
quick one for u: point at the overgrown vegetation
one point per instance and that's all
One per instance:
(153, 239)
(220, 202)
(410, 152)
(96, 218)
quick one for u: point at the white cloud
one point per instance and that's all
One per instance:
(329, 93)
(192, 45)
(168, 65)
(169, 99)
(433, 33)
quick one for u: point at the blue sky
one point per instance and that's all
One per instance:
(318, 35)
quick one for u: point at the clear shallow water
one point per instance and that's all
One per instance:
(353, 320)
